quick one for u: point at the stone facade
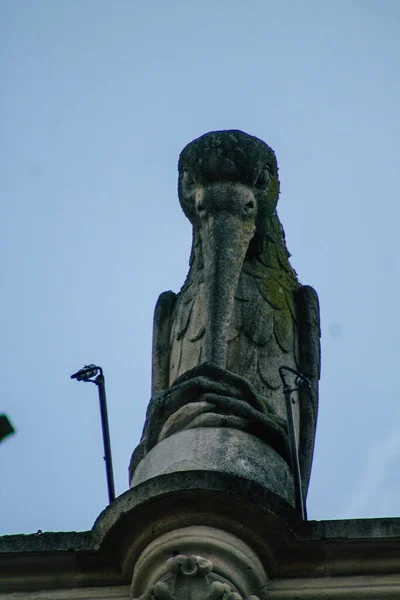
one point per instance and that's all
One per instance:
(211, 530)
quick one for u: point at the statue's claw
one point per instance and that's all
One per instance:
(209, 396)
(209, 378)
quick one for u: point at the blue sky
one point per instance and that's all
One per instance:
(98, 99)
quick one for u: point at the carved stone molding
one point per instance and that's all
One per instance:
(192, 577)
(198, 563)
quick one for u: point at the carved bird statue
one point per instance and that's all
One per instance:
(241, 307)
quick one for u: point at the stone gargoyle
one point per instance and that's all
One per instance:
(241, 313)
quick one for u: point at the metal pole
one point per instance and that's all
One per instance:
(99, 381)
(294, 455)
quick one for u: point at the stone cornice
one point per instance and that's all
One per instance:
(306, 556)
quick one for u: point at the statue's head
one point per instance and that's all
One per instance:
(232, 172)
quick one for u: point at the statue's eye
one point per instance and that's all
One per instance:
(188, 178)
(263, 177)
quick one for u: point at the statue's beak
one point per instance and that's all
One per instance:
(227, 224)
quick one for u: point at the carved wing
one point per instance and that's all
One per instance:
(279, 325)
(162, 324)
(309, 363)
(265, 338)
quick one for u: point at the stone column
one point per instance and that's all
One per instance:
(211, 558)
(198, 562)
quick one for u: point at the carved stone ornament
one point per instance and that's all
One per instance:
(198, 563)
(240, 315)
(191, 577)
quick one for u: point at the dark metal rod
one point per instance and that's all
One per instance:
(106, 436)
(294, 455)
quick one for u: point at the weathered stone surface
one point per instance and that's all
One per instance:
(205, 562)
(105, 592)
(47, 541)
(241, 308)
(211, 391)
(221, 449)
(304, 559)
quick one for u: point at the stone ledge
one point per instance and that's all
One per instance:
(97, 593)
(364, 587)
(290, 549)
(48, 541)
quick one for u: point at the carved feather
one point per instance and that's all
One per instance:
(162, 324)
